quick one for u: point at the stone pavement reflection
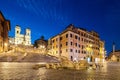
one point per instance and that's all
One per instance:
(24, 71)
(110, 71)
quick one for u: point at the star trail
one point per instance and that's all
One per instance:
(50, 17)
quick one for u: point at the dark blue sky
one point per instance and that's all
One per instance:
(50, 17)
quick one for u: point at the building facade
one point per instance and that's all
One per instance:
(41, 44)
(77, 44)
(24, 39)
(114, 56)
(4, 28)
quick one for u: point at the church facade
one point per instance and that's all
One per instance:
(24, 39)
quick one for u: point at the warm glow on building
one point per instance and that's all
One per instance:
(22, 39)
(4, 28)
(77, 44)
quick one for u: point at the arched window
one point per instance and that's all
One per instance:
(27, 33)
(71, 58)
(17, 32)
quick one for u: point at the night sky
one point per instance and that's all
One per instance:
(50, 17)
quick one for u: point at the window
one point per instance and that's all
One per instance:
(71, 43)
(56, 52)
(60, 38)
(66, 43)
(82, 46)
(53, 47)
(98, 53)
(60, 45)
(78, 32)
(76, 44)
(81, 34)
(60, 51)
(71, 35)
(71, 58)
(66, 35)
(56, 39)
(71, 50)
(76, 51)
(79, 45)
(84, 58)
(82, 39)
(0, 44)
(84, 35)
(87, 41)
(56, 46)
(17, 32)
(53, 41)
(76, 37)
(82, 52)
(79, 38)
(27, 33)
(66, 50)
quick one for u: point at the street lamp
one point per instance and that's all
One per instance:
(5, 44)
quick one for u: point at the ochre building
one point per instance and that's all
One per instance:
(4, 28)
(77, 44)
